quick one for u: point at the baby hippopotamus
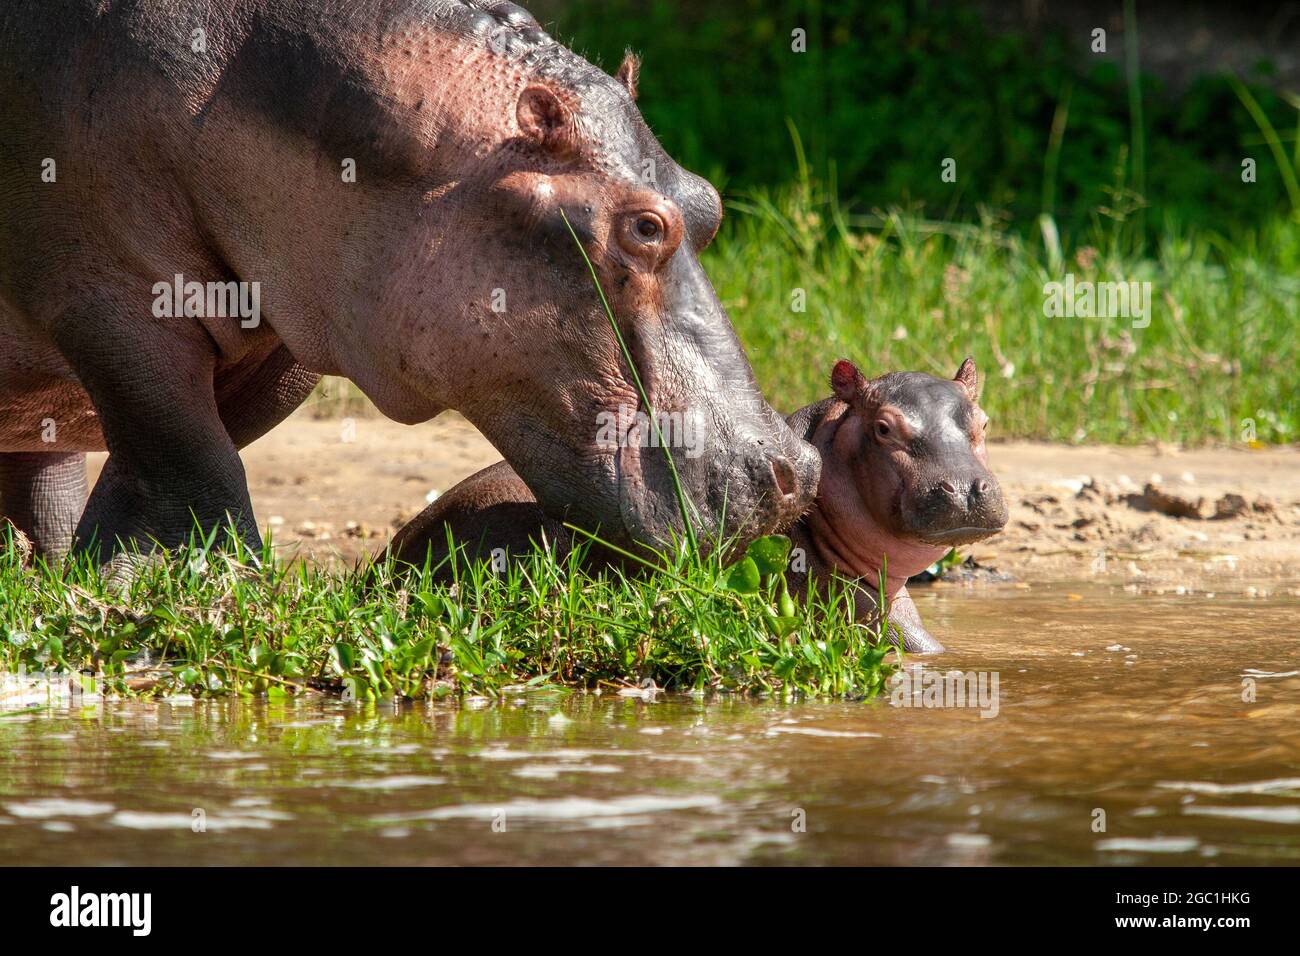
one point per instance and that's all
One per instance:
(904, 478)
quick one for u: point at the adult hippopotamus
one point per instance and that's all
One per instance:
(207, 205)
(904, 478)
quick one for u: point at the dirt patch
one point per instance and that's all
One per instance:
(1150, 518)
(1156, 518)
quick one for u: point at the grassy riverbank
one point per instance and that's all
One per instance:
(215, 624)
(1216, 363)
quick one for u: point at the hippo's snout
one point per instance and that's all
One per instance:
(762, 482)
(961, 509)
(975, 495)
(788, 480)
(750, 486)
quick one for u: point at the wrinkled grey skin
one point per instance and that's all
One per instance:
(472, 132)
(904, 476)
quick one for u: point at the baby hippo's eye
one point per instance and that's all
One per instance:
(889, 427)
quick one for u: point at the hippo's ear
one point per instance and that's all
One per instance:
(545, 119)
(847, 381)
(628, 72)
(968, 378)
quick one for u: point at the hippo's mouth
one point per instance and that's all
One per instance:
(645, 515)
(951, 537)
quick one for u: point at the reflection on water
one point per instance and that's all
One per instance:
(1112, 709)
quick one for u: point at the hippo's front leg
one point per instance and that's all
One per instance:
(904, 616)
(171, 461)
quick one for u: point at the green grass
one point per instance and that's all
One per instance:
(216, 622)
(892, 290)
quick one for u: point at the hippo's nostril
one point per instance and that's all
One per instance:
(787, 483)
(948, 486)
(982, 487)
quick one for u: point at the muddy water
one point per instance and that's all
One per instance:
(1107, 703)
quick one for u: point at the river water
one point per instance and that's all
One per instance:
(1125, 729)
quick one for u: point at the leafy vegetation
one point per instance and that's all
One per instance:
(1060, 171)
(892, 291)
(209, 621)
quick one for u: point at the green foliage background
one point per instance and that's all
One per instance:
(887, 88)
(829, 163)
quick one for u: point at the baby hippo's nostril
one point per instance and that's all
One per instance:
(981, 487)
(948, 486)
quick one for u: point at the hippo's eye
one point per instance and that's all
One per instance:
(889, 427)
(649, 228)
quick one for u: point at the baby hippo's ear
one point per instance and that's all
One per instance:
(847, 381)
(968, 378)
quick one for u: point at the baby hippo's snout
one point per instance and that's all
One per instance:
(962, 509)
(973, 494)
